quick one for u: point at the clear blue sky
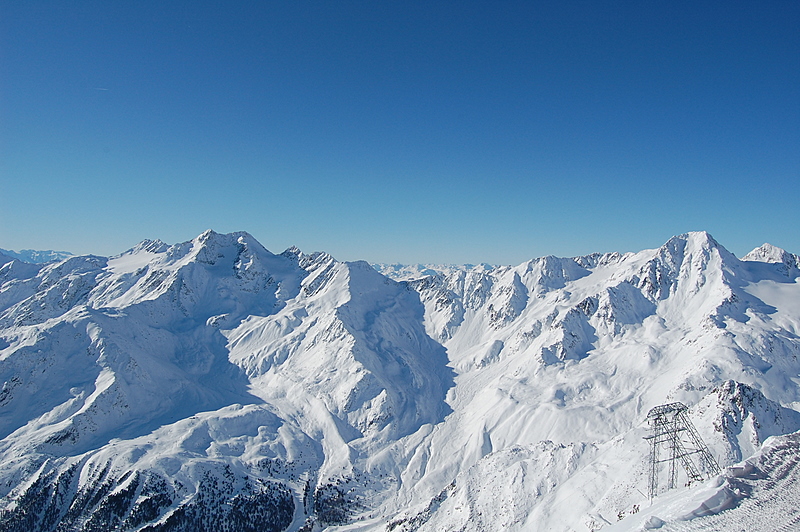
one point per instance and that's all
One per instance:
(400, 131)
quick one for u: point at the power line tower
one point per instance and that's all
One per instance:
(670, 428)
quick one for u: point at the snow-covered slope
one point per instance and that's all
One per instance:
(758, 494)
(214, 385)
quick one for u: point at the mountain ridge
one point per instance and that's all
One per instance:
(35, 256)
(301, 393)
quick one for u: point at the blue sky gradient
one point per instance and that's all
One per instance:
(400, 131)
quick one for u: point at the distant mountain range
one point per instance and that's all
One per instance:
(34, 256)
(214, 385)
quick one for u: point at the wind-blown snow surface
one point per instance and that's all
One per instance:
(213, 385)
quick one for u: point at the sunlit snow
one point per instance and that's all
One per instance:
(213, 383)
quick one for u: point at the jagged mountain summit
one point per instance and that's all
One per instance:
(213, 385)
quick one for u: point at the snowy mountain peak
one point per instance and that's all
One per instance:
(293, 253)
(699, 246)
(148, 246)
(594, 260)
(766, 253)
(210, 246)
(772, 254)
(698, 238)
(686, 263)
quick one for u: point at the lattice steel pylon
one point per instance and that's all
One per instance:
(671, 428)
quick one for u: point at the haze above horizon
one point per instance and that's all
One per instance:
(415, 133)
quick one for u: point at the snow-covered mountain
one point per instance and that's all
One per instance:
(213, 385)
(409, 272)
(35, 256)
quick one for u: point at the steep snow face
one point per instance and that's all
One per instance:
(354, 340)
(212, 384)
